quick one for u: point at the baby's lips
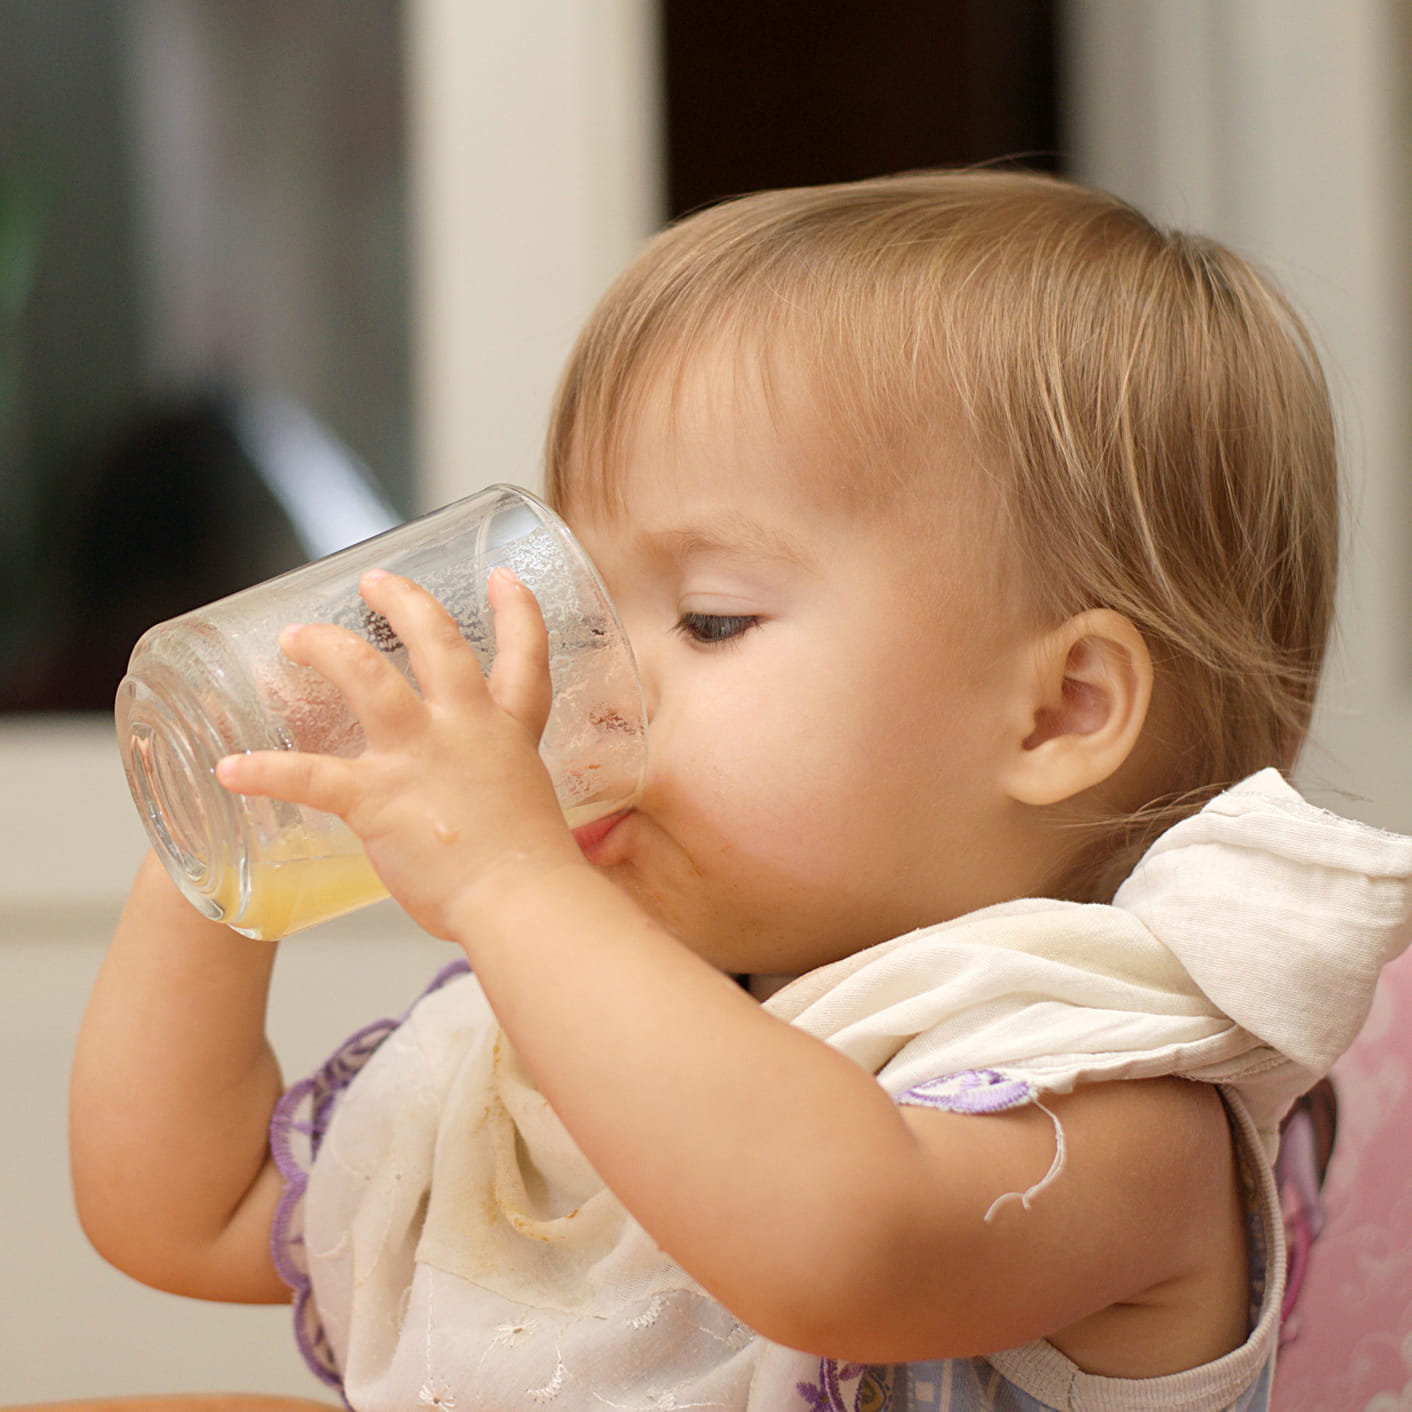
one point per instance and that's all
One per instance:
(590, 836)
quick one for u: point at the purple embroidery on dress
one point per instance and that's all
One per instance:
(871, 1389)
(971, 1091)
(297, 1128)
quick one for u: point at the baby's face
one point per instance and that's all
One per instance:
(828, 691)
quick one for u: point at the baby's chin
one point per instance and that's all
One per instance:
(727, 948)
(669, 886)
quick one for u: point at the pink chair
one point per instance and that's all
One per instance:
(1349, 1338)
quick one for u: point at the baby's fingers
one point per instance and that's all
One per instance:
(519, 678)
(445, 667)
(381, 698)
(323, 782)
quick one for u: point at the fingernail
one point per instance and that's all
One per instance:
(505, 575)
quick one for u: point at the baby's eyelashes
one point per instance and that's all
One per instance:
(710, 628)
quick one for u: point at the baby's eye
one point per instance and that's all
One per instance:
(715, 627)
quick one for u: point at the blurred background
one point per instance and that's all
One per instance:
(276, 274)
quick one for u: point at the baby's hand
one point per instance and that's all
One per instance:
(450, 791)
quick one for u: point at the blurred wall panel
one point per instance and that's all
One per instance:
(1283, 128)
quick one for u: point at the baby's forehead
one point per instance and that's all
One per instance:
(746, 465)
(777, 399)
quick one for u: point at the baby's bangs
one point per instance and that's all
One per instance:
(824, 332)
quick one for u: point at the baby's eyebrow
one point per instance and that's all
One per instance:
(736, 537)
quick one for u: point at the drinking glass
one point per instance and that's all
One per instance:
(214, 682)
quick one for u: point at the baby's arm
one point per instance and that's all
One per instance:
(776, 1171)
(172, 1090)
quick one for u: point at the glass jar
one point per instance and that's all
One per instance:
(214, 682)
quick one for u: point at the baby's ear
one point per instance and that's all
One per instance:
(1086, 704)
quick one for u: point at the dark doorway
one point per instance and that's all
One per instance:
(763, 93)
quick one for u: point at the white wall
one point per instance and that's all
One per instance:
(535, 176)
(1283, 127)
(545, 168)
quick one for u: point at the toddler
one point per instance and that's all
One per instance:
(920, 1039)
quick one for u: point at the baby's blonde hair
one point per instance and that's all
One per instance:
(1147, 407)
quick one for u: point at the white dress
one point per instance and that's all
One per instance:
(450, 1247)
